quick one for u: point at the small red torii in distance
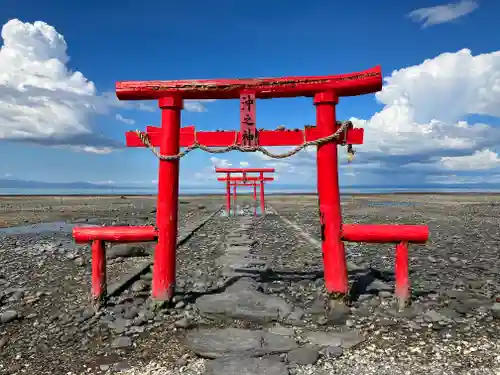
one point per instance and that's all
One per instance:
(244, 178)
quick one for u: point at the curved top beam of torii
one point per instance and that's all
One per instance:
(244, 170)
(351, 84)
(245, 179)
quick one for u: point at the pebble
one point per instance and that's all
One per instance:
(442, 312)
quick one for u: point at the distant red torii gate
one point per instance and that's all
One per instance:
(326, 135)
(244, 178)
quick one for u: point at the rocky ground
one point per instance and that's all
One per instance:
(250, 296)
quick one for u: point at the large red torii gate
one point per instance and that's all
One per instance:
(326, 135)
(244, 178)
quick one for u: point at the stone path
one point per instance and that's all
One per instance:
(264, 350)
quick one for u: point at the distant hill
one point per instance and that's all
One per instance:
(23, 184)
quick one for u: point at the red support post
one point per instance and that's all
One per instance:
(402, 289)
(234, 201)
(255, 191)
(335, 267)
(168, 197)
(262, 201)
(99, 289)
(228, 197)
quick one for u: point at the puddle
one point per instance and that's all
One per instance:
(243, 211)
(38, 228)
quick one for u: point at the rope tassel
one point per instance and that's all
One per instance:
(350, 153)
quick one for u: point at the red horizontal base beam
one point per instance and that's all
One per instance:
(294, 137)
(350, 84)
(385, 233)
(115, 234)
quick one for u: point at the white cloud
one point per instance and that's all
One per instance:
(43, 101)
(39, 96)
(457, 179)
(480, 160)
(422, 126)
(106, 182)
(219, 163)
(244, 164)
(125, 120)
(92, 149)
(443, 13)
(425, 104)
(196, 105)
(208, 173)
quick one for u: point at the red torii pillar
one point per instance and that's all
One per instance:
(325, 89)
(234, 197)
(245, 178)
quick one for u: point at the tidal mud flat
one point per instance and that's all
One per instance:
(250, 292)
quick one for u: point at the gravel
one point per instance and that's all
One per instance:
(255, 284)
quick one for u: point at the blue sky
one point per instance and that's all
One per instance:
(435, 122)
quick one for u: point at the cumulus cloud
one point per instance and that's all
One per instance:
(423, 126)
(425, 106)
(125, 120)
(443, 13)
(484, 159)
(196, 105)
(39, 97)
(462, 180)
(43, 101)
(208, 173)
(220, 163)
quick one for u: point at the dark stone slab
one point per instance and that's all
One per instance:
(245, 366)
(243, 301)
(215, 343)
